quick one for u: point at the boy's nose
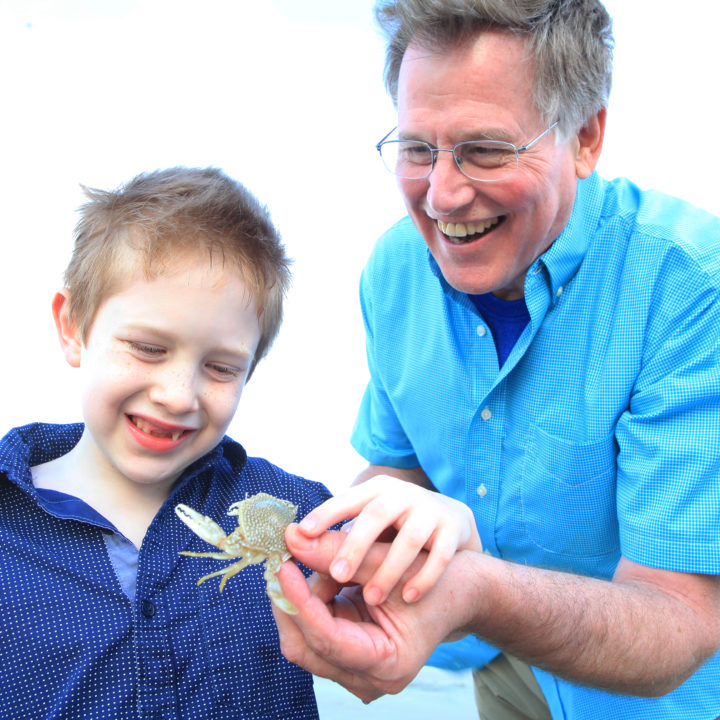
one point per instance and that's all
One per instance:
(176, 390)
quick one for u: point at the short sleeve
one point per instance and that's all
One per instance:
(668, 485)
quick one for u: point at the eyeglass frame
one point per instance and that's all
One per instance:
(434, 153)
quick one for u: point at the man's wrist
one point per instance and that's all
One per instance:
(468, 595)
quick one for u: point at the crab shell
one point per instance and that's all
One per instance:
(262, 520)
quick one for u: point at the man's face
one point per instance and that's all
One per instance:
(483, 89)
(163, 369)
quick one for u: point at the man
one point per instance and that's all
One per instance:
(553, 362)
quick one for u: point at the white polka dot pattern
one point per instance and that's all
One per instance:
(73, 645)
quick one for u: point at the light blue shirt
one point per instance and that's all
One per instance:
(600, 435)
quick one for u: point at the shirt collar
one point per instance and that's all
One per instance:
(227, 449)
(34, 444)
(563, 258)
(37, 443)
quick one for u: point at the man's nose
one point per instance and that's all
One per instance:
(449, 189)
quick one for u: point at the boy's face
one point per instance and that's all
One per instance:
(163, 368)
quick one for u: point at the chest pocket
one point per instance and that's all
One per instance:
(568, 496)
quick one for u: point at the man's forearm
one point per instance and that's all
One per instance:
(415, 475)
(626, 636)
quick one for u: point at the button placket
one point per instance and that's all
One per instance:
(155, 689)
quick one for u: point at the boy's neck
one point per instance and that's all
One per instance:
(129, 506)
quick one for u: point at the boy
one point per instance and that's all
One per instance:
(173, 295)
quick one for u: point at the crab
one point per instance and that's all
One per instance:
(259, 537)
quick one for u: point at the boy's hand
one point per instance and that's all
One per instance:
(422, 519)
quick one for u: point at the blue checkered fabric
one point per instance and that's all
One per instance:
(600, 435)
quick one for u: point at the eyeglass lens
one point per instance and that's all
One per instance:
(479, 160)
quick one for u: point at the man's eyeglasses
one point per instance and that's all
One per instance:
(483, 160)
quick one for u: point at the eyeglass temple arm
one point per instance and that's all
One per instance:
(377, 147)
(538, 138)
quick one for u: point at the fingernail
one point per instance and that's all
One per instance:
(302, 542)
(340, 570)
(308, 523)
(410, 595)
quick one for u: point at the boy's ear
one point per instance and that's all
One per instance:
(68, 333)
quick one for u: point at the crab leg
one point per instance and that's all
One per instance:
(216, 555)
(226, 572)
(275, 591)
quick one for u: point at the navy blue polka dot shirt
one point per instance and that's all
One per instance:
(90, 630)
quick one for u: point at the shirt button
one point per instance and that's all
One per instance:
(481, 491)
(481, 330)
(485, 414)
(559, 291)
(147, 609)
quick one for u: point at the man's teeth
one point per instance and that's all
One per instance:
(465, 229)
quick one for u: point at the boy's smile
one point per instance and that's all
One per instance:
(156, 435)
(163, 369)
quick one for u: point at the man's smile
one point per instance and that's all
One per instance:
(460, 233)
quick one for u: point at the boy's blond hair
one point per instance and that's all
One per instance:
(166, 214)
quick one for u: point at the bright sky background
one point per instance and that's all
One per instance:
(96, 92)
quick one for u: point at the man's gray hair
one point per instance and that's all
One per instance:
(570, 40)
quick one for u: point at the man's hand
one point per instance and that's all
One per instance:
(644, 633)
(369, 649)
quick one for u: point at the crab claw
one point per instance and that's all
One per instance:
(201, 525)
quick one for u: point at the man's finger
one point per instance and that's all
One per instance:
(296, 649)
(323, 642)
(319, 553)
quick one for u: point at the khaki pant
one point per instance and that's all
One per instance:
(506, 689)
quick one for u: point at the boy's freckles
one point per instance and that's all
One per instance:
(164, 367)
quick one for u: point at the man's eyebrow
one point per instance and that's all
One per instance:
(500, 134)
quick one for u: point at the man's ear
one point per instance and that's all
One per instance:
(68, 333)
(590, 139)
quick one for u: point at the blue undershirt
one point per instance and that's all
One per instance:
(122, 553)
(506, 320)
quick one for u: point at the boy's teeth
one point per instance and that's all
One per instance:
(150, 429)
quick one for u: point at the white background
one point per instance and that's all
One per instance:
(96, 92)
